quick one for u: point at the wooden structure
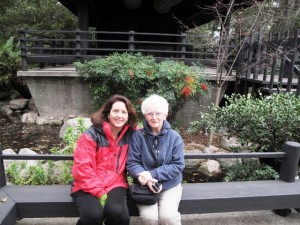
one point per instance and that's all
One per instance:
(150, 16)
(271, 63)
(267, 62)
(37, 201)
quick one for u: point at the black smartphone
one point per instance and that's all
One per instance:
(156, 186)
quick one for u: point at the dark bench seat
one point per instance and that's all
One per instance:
(38, 201)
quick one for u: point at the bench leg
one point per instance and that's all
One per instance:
(282, 212)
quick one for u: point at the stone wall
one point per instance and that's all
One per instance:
(60, 92)
(190, 111)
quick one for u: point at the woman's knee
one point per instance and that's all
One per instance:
(117, 212)
(91, 216)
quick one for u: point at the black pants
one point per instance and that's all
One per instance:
(115, 211)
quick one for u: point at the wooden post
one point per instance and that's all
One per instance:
(23, 49)
(282, 62)
(183, 46)
(274, 61)
(258, 53)
(250, 54)
(289, 164)
(291, 71)
(131, 42)
(78, 44)
(2, 172)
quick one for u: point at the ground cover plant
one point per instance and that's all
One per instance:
(265, 121)
(48, 172)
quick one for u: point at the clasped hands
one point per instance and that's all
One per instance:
(145, 178)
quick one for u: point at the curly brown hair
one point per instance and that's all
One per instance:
(101, 115)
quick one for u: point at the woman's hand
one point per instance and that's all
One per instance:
(144, 176)
(154, 186)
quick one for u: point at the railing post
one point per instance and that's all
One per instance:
(40, 52)
(23, 49)
(2, 171)
(289, 164)
(183, 46)
(131, 42)
(78, 44)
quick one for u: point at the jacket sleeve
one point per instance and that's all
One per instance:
(84, 167)
(133, 164)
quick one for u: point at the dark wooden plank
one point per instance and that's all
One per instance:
(8, 209)
(239, 196)
(42, 200)
(55, 200)
(37, 201)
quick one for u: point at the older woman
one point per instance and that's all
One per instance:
(168, 147)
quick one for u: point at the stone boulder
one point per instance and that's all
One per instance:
(210, 168)
(18, 104)
(29, 117)
(73, 123)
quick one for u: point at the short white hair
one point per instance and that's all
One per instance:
(155, 100)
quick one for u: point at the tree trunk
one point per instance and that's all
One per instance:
(216, 103)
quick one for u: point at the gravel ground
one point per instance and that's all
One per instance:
(264, 217)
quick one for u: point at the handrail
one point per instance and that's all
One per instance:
(186, 156)
(288, 171)
(45, 46)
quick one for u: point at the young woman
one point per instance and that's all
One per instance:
(100, 187)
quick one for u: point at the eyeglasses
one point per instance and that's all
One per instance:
(152, 114)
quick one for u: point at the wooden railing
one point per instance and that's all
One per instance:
(267, 62)
(289, 165)
(271, 62)
(62, 47)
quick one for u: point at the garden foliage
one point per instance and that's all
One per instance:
(267, 121)
(137, 76)
(48, 172)
(250, 170)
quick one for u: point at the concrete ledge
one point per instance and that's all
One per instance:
(59, 92)
(265, 217)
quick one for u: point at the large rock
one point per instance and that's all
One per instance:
(30, 117)
(210, 168)
(27, 151)
(194, 162)
(230, 143)
(7, 162)
(6, 110)
(18, 104)
(73, 123)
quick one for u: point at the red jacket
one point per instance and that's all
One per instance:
(99, 162)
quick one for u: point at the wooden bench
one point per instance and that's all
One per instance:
(39, 201)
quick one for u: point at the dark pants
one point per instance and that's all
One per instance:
(115, 211)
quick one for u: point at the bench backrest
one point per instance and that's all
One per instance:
(289, 165)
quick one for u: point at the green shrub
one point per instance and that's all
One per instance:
(10, 63)
(250, 170)
(48, 172)
(266, 121)
(137, 76)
